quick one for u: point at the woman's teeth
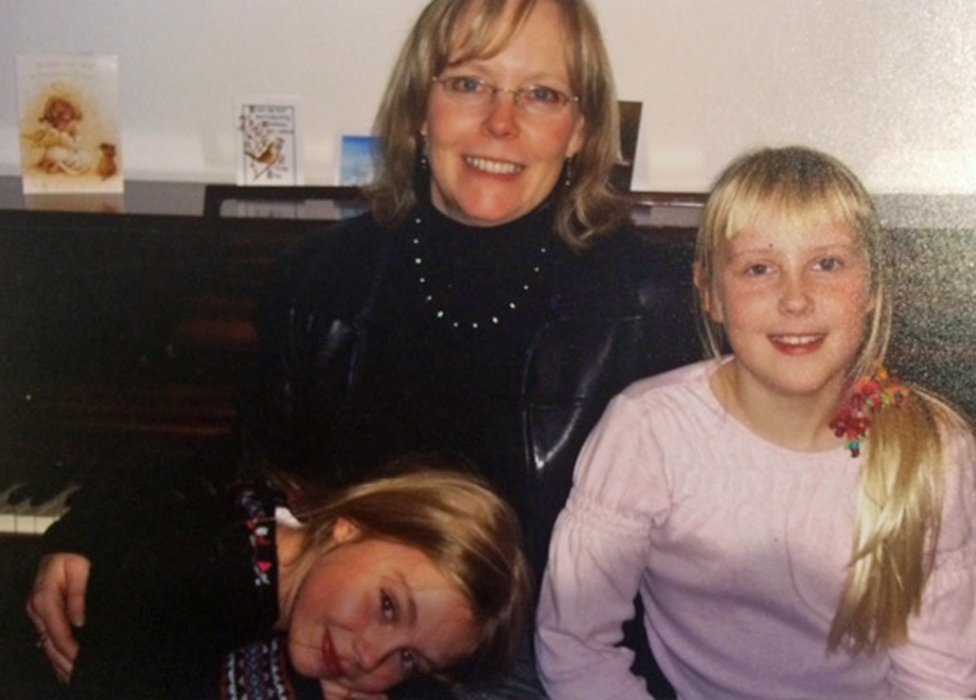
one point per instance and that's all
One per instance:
(493, 166)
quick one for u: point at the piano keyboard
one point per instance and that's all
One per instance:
(21, 515)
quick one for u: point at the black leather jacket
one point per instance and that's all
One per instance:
(620, 311)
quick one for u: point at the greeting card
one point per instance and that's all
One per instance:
(358, 163)
(268, 141)
(69, 125)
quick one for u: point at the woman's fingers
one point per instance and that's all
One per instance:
(57, 601)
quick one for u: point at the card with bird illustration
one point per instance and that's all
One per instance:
(268, 141)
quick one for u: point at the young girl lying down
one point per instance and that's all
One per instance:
(232, 594)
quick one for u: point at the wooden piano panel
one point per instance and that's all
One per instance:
(123, 338)
(123, 341)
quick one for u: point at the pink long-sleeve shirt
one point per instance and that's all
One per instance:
(739, 550)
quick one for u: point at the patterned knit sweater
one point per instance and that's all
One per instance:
(182, 602)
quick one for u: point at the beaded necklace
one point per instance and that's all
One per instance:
(447, 305)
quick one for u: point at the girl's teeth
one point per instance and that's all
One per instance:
(796, 339)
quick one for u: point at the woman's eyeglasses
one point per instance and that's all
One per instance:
(476, 93)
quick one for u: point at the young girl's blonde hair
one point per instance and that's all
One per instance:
(901, 487)
(460, 523)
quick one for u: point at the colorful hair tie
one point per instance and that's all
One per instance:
(870, 395)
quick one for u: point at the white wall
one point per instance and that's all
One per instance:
(887, 85)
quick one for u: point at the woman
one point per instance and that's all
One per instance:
(492, 300)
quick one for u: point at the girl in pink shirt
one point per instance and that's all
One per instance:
(796, 522)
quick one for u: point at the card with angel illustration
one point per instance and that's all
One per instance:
(68, 123)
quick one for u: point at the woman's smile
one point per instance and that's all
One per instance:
(494, 167)
(494, 163)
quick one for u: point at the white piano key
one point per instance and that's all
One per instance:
(8, 523)
(24, 521)
(25, 518)
(48, 512)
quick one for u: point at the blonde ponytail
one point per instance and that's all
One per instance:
(897, 524)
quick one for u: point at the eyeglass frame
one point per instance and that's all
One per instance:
(517, 94)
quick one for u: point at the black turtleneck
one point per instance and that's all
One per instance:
(444, 348)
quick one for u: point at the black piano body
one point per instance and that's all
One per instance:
(125, 332)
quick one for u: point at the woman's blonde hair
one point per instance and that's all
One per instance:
(901, 486)
(459, 522)
(586, 208)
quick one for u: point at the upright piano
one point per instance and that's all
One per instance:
(125, 327)
(125, 332)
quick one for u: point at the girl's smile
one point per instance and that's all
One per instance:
(797, 344)
(372, 612)
(331, 662)
(793, 299)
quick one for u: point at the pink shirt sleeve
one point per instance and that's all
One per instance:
(598, 553)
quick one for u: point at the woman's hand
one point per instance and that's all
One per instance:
(56, 602)
(334, 691)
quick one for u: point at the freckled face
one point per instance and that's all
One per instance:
(496, 164)
(372, 613)
(793, 299)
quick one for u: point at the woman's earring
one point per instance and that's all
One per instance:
(568, 173)
(424, 163)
